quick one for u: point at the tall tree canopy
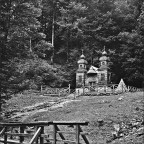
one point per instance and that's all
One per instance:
(41, 40)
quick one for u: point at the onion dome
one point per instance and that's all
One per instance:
(104, 56)
(92, 70)
(82, 60)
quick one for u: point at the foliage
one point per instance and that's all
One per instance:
(26, 45)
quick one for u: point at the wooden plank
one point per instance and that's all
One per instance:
(36, 141)
(21, 137)
(54, 133)
(44, 123)
(41, 138)
(19, 134)
(2, 131)
(36, 135)
(40, 123)
(12, 141)
(69, 122)
(60, 134)
(77, 134)
(84, 137)
(83, 133)
(5, 136)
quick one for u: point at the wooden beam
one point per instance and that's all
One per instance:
(77, 134)
(40, 123)
(36, 135)
(44, 123)
(54, 133)
(84, 137)
(11, 141)
(41, 138)
(5, 136)
(19, 134)
(68, 123)
(84, 133)
(21, 137)
(60, 134)
(2, 131)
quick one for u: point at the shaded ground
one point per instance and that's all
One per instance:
(113, 119)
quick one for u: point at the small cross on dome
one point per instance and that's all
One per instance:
(104, 52)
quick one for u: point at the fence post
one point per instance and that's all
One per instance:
(77, 134)
(84, 137)
(112, 89)
(41, 88)
(83, 89)
(21, 131)
(105, 89)
(37, 138)
(69, 88)
(59, 93)
(54, 133)
(41, 138)
(60, 134)
(5, 136)
(75, 94)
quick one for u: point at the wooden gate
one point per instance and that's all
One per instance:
(43, 133)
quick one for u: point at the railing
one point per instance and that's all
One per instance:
(106, 89)
(41, 132)
(55, 91)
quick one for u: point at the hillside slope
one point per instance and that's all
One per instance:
(112, 119)
(124, 110)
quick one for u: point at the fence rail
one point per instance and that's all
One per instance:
(46, 91)
(105, 89)
(40, 134)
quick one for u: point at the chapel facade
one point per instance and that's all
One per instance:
(94, 75)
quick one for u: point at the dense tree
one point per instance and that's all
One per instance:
(35, 34)
(18, 32)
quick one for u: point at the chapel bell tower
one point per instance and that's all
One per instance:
(81, 72)
(103, 70)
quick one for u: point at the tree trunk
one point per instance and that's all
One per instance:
(53, 29)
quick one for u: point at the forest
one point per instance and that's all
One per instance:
(42, 40)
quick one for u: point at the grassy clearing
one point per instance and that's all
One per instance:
(20, 101)
(93, 108)
(116, 109)
(111, 109)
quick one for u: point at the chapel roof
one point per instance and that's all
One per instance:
(92, 70)
(103, 58)
(82, 59)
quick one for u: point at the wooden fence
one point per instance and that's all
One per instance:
(46, 91)
(105, 89)
(38, 133)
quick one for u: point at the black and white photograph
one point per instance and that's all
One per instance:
(71, 71)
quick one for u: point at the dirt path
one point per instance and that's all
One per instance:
(23, 114)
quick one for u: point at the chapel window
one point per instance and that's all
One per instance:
(102, 77)
(80, 79)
